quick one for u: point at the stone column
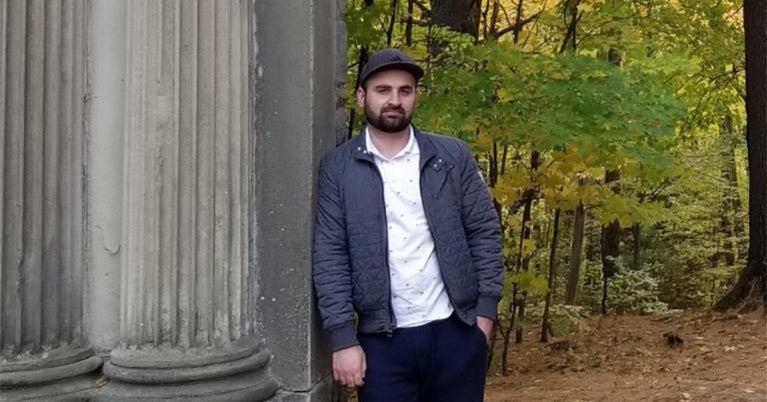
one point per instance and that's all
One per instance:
(300, 70)
(42, 208)
(187, 313)
(106, 82)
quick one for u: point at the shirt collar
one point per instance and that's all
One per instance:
(410, 148)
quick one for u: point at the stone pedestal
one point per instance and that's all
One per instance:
(42, 208)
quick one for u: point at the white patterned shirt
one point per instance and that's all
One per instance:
(418, 292)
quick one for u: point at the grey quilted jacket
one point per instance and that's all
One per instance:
(350, 261)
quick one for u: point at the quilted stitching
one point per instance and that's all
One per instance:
(350, 261)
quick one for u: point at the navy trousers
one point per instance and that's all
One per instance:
(443, 361)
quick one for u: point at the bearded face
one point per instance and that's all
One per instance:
(390, 119)
(389, 99)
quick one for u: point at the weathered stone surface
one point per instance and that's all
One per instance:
(246, 387)
(295, 124)
(158, 170)
(42, 208)
(186, 318)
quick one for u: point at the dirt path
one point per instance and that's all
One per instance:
(627, 358)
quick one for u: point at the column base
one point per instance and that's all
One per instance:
(74, 389)
(324, 391)
(254, 386)
(61, 374)
(241, 373)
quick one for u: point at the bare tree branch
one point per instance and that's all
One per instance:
(522, 24)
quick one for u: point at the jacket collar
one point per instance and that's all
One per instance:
(427, 149)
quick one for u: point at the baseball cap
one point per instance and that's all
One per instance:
(388, 59)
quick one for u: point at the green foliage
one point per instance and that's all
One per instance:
(635, 291)
(564, 319)
(605, 113)
(628, 291)
(656, 119)
(530, 283)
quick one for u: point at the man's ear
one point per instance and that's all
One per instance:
(360, 97)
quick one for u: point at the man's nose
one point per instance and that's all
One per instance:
(395, 98)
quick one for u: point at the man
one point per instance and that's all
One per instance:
(408, 239)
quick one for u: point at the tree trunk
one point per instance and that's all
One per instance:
(576, 252)
(362, 59)
(730, 201)
(522, 262)
(458, 15)
(636, 231)
(409, 24)
(611, 233)
(522, 265)
(571, 7)
(552, 278)
(611, 237)
(392, 20)
(751, 287)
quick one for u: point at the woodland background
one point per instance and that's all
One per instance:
(613, 136)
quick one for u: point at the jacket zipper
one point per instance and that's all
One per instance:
(392, 321)
(429, 221)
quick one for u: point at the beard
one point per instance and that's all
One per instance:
(388, 124)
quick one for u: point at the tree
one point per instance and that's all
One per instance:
(751, 287)
(458, 15)
(576, 252)
(611, 233)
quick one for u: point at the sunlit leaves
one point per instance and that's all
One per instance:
(655, 118)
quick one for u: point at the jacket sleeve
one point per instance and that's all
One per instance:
(483, 234)
(331, 268)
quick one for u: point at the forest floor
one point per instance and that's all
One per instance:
(721, 357)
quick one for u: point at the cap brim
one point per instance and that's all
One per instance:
(413, 69)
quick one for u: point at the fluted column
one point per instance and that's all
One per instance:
(42, 208)
(186, 320)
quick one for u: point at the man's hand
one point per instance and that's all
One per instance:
(349, 366)
(486, 325)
